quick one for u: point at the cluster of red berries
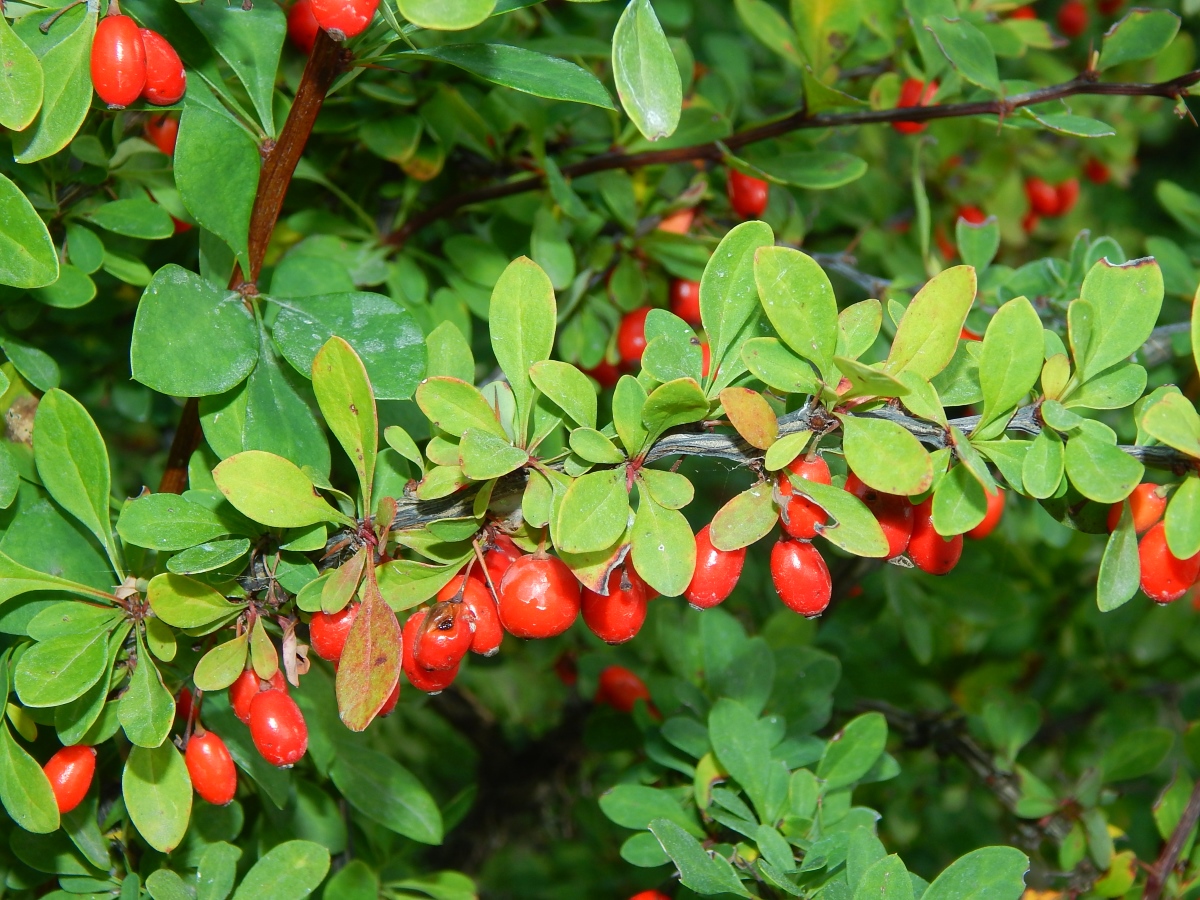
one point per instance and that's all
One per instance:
(340, 19)
(1164, 576)
(130, 62)
(914, 92)
(1047, 199)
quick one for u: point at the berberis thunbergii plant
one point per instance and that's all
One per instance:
(584, 293)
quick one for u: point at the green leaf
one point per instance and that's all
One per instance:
(886, 879)
(568, 388)
(959, 502)
(636, 806)
(217, 871)
(1126, 299)
(191, 339)
(185, 602)
(163, 884)
(670, 405)
(386, 792)
(853, 751)
(522, 322)
(968, 50)
(977, 243)
(1174, 422)
(169, 522)
(645, 71)
(663, 547)
(745, 519)
(147, 709)
(446, 15)
(27, 255)
(928, 333)
(455, 406)
(629, 398)
(405, 583)
(1011, 359)
(1115, 388)
(1137, 753)
(1097, 468)
(777, 367)
(24, 788)
(798, 299)
(1141, 34)
(158, 795)
(815, 170)
(742, 747)
(66, 95)
(221, 666)
(21, 83)
(369, 668)
(344, 395)
(697, 870)
(139, 218)
(858, 327)
(1120, 568)
(990, 873)
(853, 527)
(291, 869)
(34, 365)
(728, 290)
(868, 381)
(595, 447)
(273, 491)
(594, 512)
(57, 671)
(485, 456)
(1183, 519)
(886, 456)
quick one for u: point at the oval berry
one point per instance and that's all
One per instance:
(344, 19)
(118, 61)
(389, 705)
(1096, 171)
(70, 771)
(1023, 12)
(183, 704)
(618, 617)
(277, 728)
(685, 300)
(302, 26)
(477, 599)
(973, 214)
(163, 131)
(166, 79)
(801, 577)
(1042, 196)
(893, 512)
(1165, 577)
(914, 92)
(420, 678)
(631, 335)
(1146, 503)
(747, 195)
(444, 637)
(800, 516)
(1067, 194)
(539, 597)
(497, 558)
(1072, 18)
(929, 551)
(621, 689)
(716, 573)
(995, 510)
(327, 632)
(213, 773)
(248, 684)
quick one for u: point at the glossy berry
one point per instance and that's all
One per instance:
(685, 300)
(893, 512)
(477, 601)
(445, 637)
(716, 573)
(747, 195)
(801, 577)
(389, 705)
(618, 617)
(1096, 171)
(929, 551)
(1023, 12)
(166, 79)
(118, 61)
(1165, 577)
(800, 516)
(1072, 18)
(678, 222)
(621, 689)
(163, 132)
(973, 214)
(497, 558)
(1042, 196)
(420, 678)
(243, 691)
(302, 26)
(70, 771)
(995, 511)
(631, 335)
(327, 632)
(1068, 194)
(1147, 504)
(344, 19)
(277, 728)
(213, 773)
(914, 92)
(539, 597)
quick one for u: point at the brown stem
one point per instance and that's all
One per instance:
(797, 121)
(1169, 858)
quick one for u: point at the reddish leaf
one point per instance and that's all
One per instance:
(751, 415)
(370, 665)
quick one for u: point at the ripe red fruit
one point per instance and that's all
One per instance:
(685, 300)
(1043, 197)
(716, 573)
(1023, 12)
(705, 358)
(163, 131)
(966, 334)
(166, 80)
(893, 512)
(181, 227)
(995, 511)
(1147, 505)
(539, 597)
(800, 516)
(631, 335)
(621, 689)
(914, 92)
(497, 559)
(678, 222)
(1072, 18)
(616, 618)
(118, 61)
(208, 762)
(389, 705)
(801, 577)
(1030, 222)
(1110, 7)
(605, 373)
(183, 704)
(420, 678)
(650, 895)
(344, 19)
(477, 600)
(70, 771)
(747, 195)
(248, 684)
(1096, 171)
(302, 26)
(1067, 193)
(929, 551)
(277, 728)
(973, 214)
(445, 637)
(1165, 577)
(327, 632)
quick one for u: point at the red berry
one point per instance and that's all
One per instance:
(70, 771)
(166, 80)
(208, 762)
(705, 358)
(1096, 171)
(163, 131)
(390, 704)
(685, 300)
(248, 684)
(800, 516)
(1165, 577)
(650, 895)
(539, 597)
(801, 577)
(1147, 504)
(631, 335)
(929, 551)
(118, 61)
(277, 728)
(497, 559)
(747, 195)
(893, 512)
(1043, 197)
(302, 26)
(966, 334)
(621, 689)
(477, 599)
(1110, 7)
(183, 704)
(445, 637)
(181, 227)
(1072, 18)
(420, 678)
(344, 19)
(1023, 12)
(678, 222)
(716, 573)
(618, 617)
(914, 92)
(605, 373)
(327, 632)
(1030, 222)
(1067, 193)
(995, 510)
(945, 246)
(973, 214)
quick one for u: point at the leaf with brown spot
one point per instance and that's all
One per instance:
(751, 415)
(370, 665)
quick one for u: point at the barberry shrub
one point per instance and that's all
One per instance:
(480, 350)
